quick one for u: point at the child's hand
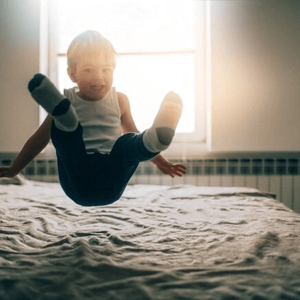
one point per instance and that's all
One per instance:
(172, 169)
(167, 167)
(7, 172)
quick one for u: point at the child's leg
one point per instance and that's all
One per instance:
(133, 148)
(159, 136)
(128, 151)
(82, 176)
(46, 94)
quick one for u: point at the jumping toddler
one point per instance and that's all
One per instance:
(97, 144)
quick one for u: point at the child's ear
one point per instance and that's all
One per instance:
(71, 73)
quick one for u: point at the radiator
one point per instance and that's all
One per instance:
(275, 173)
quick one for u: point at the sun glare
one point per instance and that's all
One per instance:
(155, 42)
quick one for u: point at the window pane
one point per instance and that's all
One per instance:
(141, 27)
(146, 79)
(137, 26)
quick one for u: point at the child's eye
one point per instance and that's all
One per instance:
(88, 70)
(106, 70)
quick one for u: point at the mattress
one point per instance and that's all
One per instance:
(156, 242)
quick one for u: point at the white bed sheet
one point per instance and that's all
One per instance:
(156, 242)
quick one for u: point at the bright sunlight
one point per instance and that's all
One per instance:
(155, 43)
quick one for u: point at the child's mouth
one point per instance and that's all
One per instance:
(97, 87)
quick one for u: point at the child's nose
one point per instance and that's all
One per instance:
(99, 75)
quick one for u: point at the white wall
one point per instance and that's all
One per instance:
(19, 60)
(256, 73)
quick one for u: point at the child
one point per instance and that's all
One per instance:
(97, 144)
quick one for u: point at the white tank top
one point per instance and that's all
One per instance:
(101, 120)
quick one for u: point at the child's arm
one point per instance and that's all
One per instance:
(34, 145)
(128, 125)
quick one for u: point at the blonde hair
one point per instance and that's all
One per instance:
(90, 41)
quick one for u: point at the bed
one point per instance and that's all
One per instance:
(156, 242)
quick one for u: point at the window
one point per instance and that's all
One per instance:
(161, 47)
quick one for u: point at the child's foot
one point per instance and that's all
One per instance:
(46, 94)
(160, 135)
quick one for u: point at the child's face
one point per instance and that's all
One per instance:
(93, 75)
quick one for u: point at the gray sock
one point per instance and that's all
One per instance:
(159, 136)
(60, 108)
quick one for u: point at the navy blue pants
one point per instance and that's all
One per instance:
(96, 179)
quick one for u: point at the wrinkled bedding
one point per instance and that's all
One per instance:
(156, 242)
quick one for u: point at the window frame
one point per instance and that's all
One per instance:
(184, 145)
